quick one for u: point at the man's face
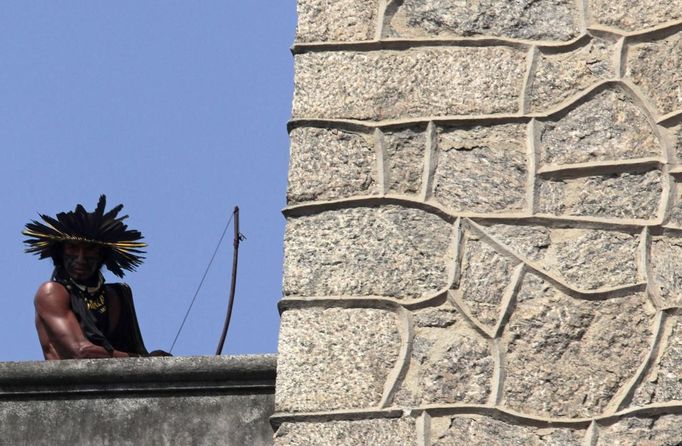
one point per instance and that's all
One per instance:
(81, 260)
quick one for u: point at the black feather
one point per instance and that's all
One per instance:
(97, 227)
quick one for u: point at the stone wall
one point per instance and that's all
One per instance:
(484, 225)
(218, 400)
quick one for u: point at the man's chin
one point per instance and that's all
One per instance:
(80, 276)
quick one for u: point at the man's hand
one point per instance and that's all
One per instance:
(159, 353)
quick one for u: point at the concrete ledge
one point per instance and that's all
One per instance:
(159, 374)
(201, 400)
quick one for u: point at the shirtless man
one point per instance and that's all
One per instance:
(77, 314)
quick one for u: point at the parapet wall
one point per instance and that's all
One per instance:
(484, 224)
(141, 401)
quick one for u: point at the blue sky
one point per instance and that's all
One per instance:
(176, 109)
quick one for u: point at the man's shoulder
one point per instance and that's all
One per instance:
(52, 292)
(118, 285)
(52, 287)
(121, 289)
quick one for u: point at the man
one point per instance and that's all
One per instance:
(77, 314)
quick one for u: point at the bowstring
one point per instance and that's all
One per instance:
(196, 293)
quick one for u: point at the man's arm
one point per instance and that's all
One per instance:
(52, 303)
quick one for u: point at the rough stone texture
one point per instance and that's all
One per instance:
(656, 67)
(335, 358)
(485, 276)
(438, 317)
(450, 362)
(675, 213)
(384, 432)
(530, 242)
(587, 259)
(415, 82)
(592, 259)
(609, 126)
(633, 15)
(666, 266)
(663, 382)
(559, 76)
(474, 163)
(525, 19)
(479, 430)
(381, 251)
(568, 357)
(534, 287)
(675, 219)
(404, 155)
(627, 196)
(676, 132)
(326, 164)
(158, 401)
(665, 430)
(572, 200)
(336, 20)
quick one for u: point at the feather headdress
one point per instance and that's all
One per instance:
(122, 248)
